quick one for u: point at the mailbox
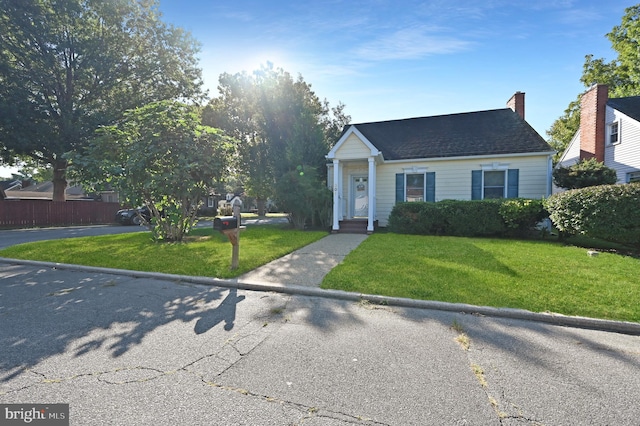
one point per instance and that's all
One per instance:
(225, 222)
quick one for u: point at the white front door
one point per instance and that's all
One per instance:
(360, 196)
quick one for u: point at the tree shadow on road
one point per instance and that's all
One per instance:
(46, 313)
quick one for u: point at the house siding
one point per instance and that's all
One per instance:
(453, 179)
(623, 157)
(569, 157)
(353, 148)
(572, 154)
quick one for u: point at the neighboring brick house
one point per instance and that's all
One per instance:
(474, 155)
(609, 132)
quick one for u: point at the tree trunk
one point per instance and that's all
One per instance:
(59, 180)
(262, 206)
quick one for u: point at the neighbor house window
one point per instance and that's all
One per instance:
(494, 184)
(415, 187)
(633, 177)
(210, 202)
(614, 133)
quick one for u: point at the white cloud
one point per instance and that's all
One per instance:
(411, 43)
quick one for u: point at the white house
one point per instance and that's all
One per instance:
(474, 155)
(609, 131)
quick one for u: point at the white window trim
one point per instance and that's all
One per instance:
(506, 180)
(422, 172)
(416, 171)
(609, 132)
(495, 167)
(631, 175)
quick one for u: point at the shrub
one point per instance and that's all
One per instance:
(583, 174)
(521, 215)
(207, 211)
(472, 218)
(449, 217)
(405, 219)
(608, 212)
(303, 195)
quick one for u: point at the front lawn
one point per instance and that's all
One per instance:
(540, 276)
(204, 253)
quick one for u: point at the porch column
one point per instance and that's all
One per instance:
(372, 194)
(336, 195)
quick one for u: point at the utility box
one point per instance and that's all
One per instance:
(225, 222)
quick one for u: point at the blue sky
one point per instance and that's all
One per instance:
(392, 59)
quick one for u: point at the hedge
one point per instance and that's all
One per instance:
(467, 218)
(608, 212)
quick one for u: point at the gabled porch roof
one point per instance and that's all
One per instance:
(352, 130)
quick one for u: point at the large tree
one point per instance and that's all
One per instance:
(160, 155)
(68, 67)
(282, 125)
(622, 75)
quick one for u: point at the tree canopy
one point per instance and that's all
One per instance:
(622, 75)
(161, 156)
(68, 67)
(282, 127)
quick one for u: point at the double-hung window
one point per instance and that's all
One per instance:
(416, 184)
(613, 133)
(494, 184)
(415, 187)
(633, 177)
(494, 181)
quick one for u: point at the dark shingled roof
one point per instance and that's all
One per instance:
(500, 131)
(629, 106)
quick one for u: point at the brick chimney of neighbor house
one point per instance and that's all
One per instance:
(516, 103)
(593, 107)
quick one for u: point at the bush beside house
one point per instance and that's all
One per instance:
(504, 217)
(586, 172)
(608, 212)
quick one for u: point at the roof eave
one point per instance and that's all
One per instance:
(471, 157)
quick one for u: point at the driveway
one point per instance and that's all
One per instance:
(144, 351)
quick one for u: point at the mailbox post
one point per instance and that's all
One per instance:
(231, 226)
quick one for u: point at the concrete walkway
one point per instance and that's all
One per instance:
(307, 266)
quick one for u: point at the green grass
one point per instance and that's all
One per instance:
(539, 276)
(204, 253)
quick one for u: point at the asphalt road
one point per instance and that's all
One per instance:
(145, 351)
(12, 237)
(127, 351)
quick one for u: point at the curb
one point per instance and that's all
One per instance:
(622, 327)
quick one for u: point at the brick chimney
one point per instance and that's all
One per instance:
(516, 103)
(593, 107)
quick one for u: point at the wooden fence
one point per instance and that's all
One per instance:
(37, 213)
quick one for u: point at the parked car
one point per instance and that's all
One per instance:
(133, 216)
